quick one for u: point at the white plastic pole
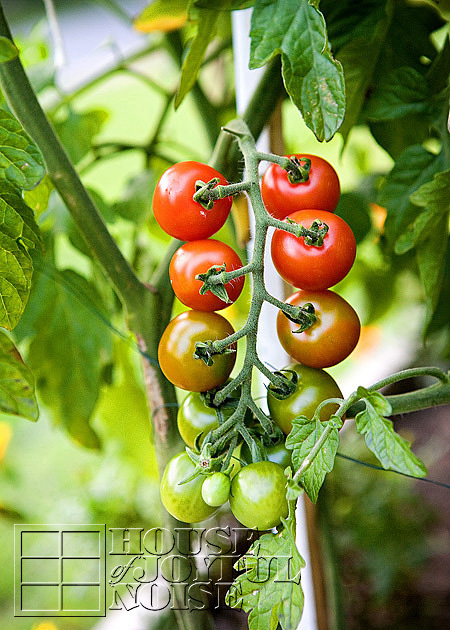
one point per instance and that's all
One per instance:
(269, 350)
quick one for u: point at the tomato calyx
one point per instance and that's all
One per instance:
(304, 315)
(205, 350)
(312, 236)
(298, 170)
(214, 281)
(202, 190)
(286, 384)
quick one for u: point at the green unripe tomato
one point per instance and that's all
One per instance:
(216, 489)
(258, 495)
(184, 501)
(195, 417)
(313, 387)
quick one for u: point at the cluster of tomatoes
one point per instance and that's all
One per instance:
(255, 489)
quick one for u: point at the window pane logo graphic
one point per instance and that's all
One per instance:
(60, 571)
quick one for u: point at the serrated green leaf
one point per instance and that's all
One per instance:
(18, 234)
(392, 451)
(8, 51)
(434, 198)
(301, 440)
(70, 350)
(17, 395)
(270, 586)
(415, 167)
(206, 29)
(21, 162)
(77, 130)
(400, 92)
(313, 78)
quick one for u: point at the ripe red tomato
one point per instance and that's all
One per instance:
(176, 211)
(197, 257)
(184, 500)
(310, 267)
(321, 191)
(313, 387)
(177, 346)
(258, 495)
(330, 339)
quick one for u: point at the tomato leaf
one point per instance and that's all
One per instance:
(415, 167)
(206, 29)
(402, 91)
(301, 440)
(314, 80)
(17, 396)
(18, 234)
(368, 33)
(21, 162)
(73, 345)
(162, 15)
(269, 587)
(392, 451)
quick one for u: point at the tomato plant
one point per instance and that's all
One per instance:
(309, 266)
(184, 500)
(321, 191)
(176, 211)
(330, 339)
(177, 346)
(196, 257)
(312, 386)
(216, 489)
(112, 300)
(258, 495)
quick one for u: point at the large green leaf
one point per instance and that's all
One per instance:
(313, 78)
(302, 439)
(69, 345)
(21, 162)
(269, 588)
(402, 91)
(18, 234)
(392, 451)
(17, 395)
(415, 167)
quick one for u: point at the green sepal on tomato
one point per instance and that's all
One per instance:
(177, 346)
(330, 340)
(321, 191)
(312, 387)
(258, 495)
(175, 209)
(196, 257)
(184, 501)
(308, 266)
